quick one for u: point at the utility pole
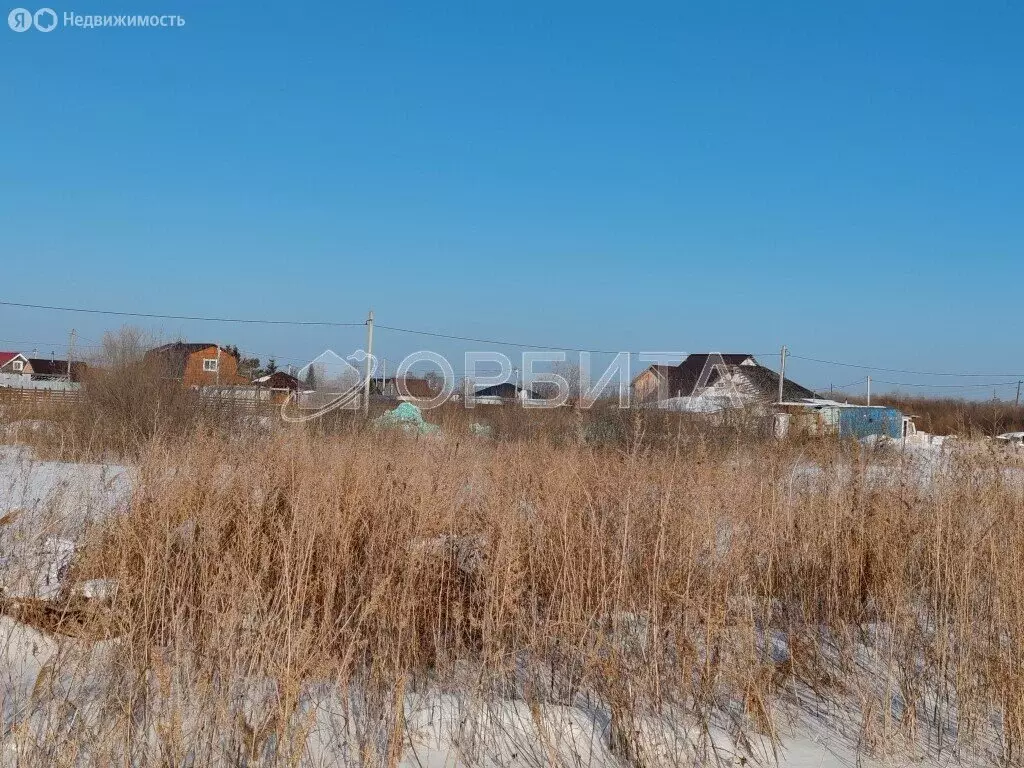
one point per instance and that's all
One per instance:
(71, 350)
(782, 371)
(1016, 403)
(869, 390)
(218, 367)
(368, 369)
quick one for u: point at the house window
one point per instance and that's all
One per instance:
(18, 365)
(210, 364)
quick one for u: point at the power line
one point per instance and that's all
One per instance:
(948, 386)
(151, 315)
(498, 342)
(846, 386)
(476, 340)
(37, 344)
(155, 316)
(899, 370)
(918, 384)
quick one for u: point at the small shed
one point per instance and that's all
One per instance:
(826, 417)
(279, 384)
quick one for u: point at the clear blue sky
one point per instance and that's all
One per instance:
(845, 179)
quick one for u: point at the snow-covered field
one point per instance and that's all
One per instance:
(45, 507)
(61, 702)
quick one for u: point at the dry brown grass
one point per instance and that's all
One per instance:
(954, 416)
(638, 562)
(645, 578)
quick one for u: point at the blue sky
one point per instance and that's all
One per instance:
(843, 179)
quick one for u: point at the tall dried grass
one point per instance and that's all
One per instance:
(655, 569)
(651, 583)
(957, 416)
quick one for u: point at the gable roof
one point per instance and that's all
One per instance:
(763, 383)
(173, 357)
(187, 347)
(506, 390)
(278, 380)
(6, 357)
(56, 369)
(682, 380)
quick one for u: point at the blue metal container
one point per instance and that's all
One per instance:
(860, 421)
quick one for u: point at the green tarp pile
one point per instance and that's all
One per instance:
(406, 417)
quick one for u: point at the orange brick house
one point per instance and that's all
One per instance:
(196, 364)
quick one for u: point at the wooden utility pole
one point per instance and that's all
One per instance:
(1016, 403)
(71, 350)
(782, 372)
(369, 356)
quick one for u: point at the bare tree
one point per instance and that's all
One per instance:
(122, 349)
(434, 380)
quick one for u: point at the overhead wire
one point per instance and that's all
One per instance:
(904, 371)
(482, 340)
(153, 315)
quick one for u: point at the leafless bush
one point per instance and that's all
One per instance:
(951, 416)
(127, 401)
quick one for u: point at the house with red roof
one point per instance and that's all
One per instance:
(14, 362)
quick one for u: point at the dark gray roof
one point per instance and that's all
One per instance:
(45, 367)
(507, 390)
(181, 346)
(682, 380)
(763, 383)
(699, 370)
(278, 380)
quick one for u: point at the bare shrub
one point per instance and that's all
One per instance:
(127, 400)
(954, 416)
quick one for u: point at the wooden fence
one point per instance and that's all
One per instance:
(24, 395)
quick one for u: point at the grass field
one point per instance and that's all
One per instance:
(583, 589)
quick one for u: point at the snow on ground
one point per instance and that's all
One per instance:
(917, 459)
(44, 509)
(58, 696)
(708, 401)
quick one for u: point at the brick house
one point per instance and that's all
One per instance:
(196, 364)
